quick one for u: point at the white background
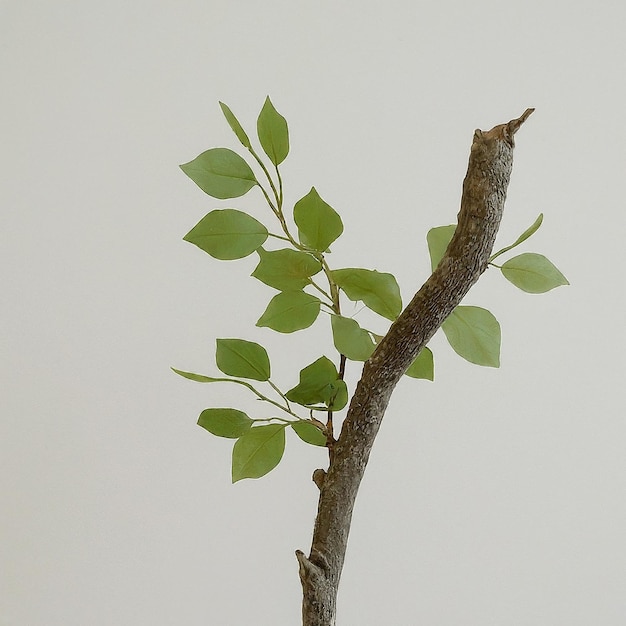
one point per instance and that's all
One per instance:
(493, 497)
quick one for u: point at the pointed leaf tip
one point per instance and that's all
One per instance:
(221, 173)
(319, 225)
(258, 452)
(379, 291)
(474, 334)
(233, 122)
(438, 239)
(290, 311)
(273, 133)
(227, 234)
(423, 366)
(354, 342)
(533, 273)
(229, 423)
(241, 358)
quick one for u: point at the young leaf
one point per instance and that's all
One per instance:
(286, 270)
(315, 383)
(199, 378)
(378, 291)
(318, 223)
(531, 230)
(309, 433)
(289, 311)
(245, 359)
(233, 122)
(229, 423)
(438, 239)
(227, 234)
(258, 451)
(423, 366)
(273, 133)
(474, 334)
(350, 339)
(221, 173)
(533, 273)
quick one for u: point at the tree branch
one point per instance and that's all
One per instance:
(482, 204)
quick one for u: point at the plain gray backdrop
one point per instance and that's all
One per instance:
(494, 497)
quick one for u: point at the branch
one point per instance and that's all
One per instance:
(467, 256)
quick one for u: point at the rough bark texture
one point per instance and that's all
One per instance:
(482, 203)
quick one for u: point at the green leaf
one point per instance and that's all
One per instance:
(377, 290)
(221, 173)
(474, 334)
(258, 451)
(286, 269)
(229, 423)
(273, 133)
(531, 230)
(227, 234)
(438, 240)
(318, 223)
(339, 397)
(315, 384)
(233, 122)
(199, 378)
(309, 433)
(423, 366)
(533, 273)
(350, 339)
(246, 359)
(289, 311)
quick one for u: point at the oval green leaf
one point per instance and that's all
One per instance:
(318, 223)
(227, 234)
(533, 273)
(378, 291)
(221, 173)
(350, 339)
(273, 133)
(258, 451)
(423, 366)
(474, 334)
(286, 270)
(233, 122)
(229, 423)
(315, 386)
(245, 359)
(309, 433)
(438, 239)
(289, 311)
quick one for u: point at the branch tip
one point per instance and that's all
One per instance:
(515, 124)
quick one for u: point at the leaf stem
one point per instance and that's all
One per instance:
(279, 237)
(280, 188)
(334, 290)
(322, 291)
(280, 393)
(269, 419)
(268, 200)
(267, 175)
(258, 394)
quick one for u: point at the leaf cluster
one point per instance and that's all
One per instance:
(293, 261)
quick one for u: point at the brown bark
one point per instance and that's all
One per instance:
(482, 204)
